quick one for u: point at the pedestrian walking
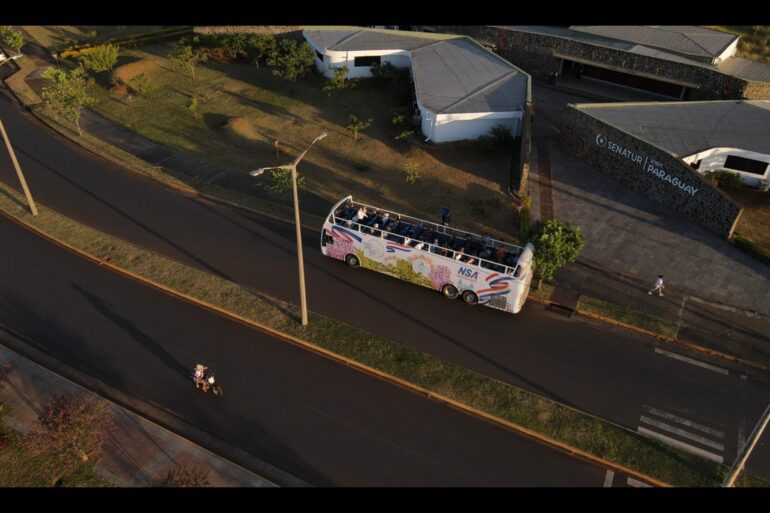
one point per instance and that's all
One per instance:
(446, 213)
(659, 287)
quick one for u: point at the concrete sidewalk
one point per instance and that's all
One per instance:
(138, 452)
(718, 295)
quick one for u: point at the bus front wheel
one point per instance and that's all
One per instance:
(470, 297)
(352, 261)
(450, 291)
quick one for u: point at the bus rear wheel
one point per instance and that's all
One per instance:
(352, 261)
(470, 297)
(450, 291)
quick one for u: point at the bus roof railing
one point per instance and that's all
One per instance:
(477, 260)
(445, 229)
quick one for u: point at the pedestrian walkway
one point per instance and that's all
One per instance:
(138, 452)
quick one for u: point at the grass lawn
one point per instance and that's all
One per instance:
(754, 42)
(755, 220)
(628, 316)
(244, 110)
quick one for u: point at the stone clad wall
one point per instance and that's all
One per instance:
(650, 171)
(534, 54)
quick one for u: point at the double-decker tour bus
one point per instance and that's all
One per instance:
(481, 270)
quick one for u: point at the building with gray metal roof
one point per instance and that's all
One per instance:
(695, 43)
(462, 89)
(656, 62)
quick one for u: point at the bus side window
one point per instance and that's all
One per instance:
(326, 239)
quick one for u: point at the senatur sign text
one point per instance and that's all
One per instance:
(650, 165)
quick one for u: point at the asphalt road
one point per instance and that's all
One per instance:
(612, 374)
(314, 418)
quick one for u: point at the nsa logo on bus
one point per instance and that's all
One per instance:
(468, 273)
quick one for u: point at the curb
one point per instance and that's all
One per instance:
(341, 359)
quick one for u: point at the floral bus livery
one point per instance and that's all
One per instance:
(479, 269)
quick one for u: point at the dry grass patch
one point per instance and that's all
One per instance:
(755, 220)
(125, 73)
(244, 110)
(243, 129)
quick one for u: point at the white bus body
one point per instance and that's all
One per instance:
(500, 280)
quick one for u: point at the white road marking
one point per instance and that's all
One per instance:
(608, 478)
(682, 433)
(638, 484)
(705, 365)
(685, 447)
(680, 420)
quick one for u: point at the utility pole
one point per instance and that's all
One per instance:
(30, 201)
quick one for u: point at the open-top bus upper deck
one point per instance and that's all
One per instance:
(437, 239)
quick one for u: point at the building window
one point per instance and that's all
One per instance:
(319, 55)
(366, 61)
(755, 167)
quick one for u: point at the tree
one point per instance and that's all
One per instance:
(291, 61)
(357, 125)
(101, 58)
(14, 40)
(68, 94)
(259, 47)
(280, 181)
(235, 45)
(193, 106)
(340, 81)
(185, 55)
(74, 431)
(557, 243)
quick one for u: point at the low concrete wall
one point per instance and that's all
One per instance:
(650, 171)
(522, 152)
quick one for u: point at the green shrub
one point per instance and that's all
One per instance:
(486, 143)
(724, 179)
(100, 58)
(752, 248)
(143, 85)
(502, 136)
(411, 172)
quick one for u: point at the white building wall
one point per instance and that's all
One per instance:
(398, 58)
(714, 160)
(729, 52)
(457, 127)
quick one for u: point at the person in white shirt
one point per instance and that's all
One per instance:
(659, 287)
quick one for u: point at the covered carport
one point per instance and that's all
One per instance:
(574, 71)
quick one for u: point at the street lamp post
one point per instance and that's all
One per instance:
(293, 168)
